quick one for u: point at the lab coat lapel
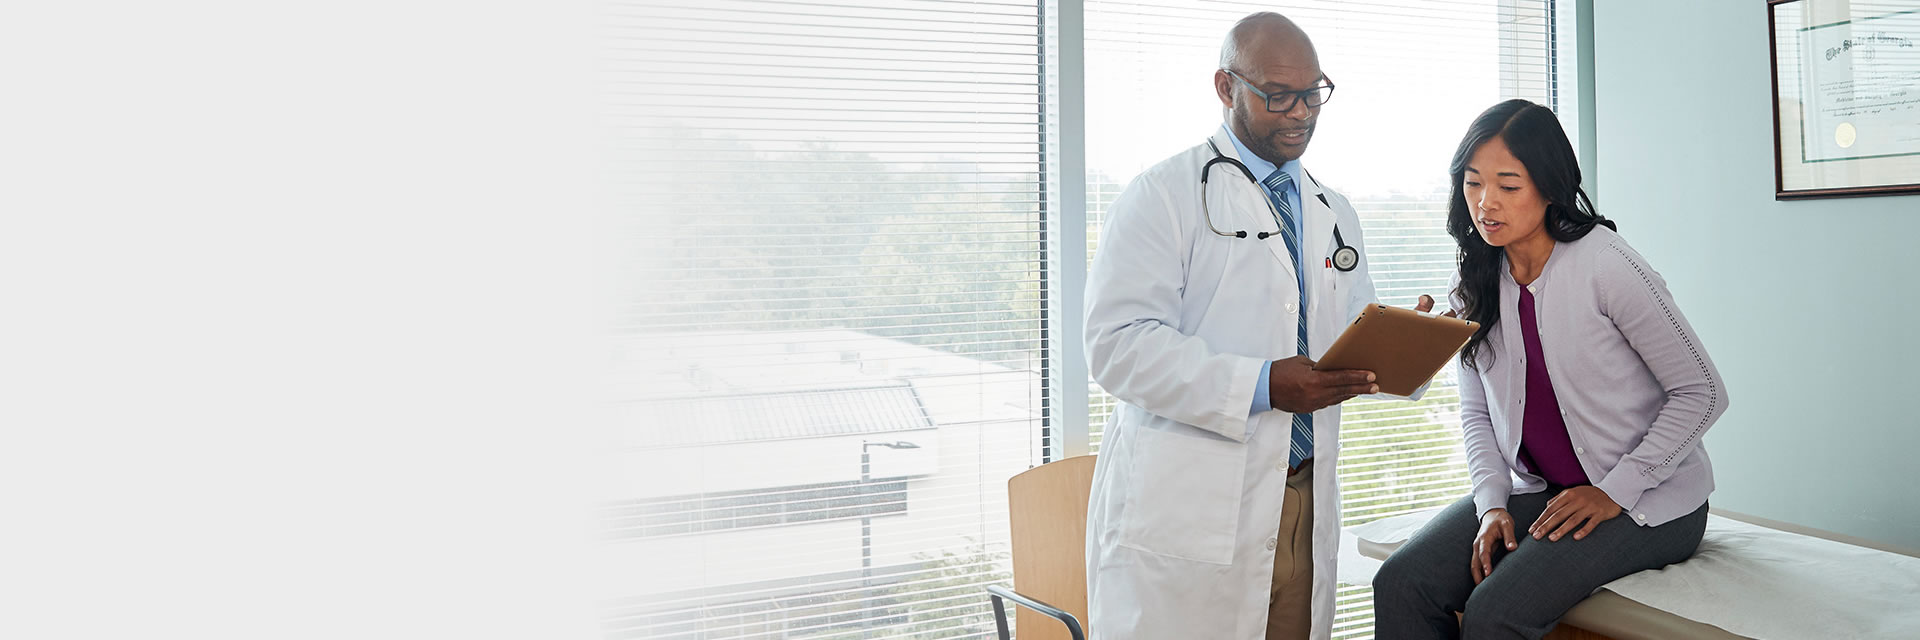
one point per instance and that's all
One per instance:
(1318, 224)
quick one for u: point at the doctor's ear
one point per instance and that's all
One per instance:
(1223, 87)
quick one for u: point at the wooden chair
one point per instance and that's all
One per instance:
(1047, 513)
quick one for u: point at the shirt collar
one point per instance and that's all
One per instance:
(1260, 167)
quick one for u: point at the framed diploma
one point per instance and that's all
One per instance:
(1846, 97)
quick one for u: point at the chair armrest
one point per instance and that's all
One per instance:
(1000, 613)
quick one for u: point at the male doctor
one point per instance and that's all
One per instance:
(1215, 511)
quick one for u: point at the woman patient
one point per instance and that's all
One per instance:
(1583, 396)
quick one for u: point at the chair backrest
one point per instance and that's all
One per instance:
(1047, 513)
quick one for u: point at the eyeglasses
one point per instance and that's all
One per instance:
(1283, 101)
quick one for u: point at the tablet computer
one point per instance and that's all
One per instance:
(1402, 347)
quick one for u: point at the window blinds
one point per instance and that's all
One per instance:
(830, 357)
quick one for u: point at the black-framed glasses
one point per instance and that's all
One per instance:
(1283, 101)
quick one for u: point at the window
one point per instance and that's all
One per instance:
(720, 511)
(842, 274)
(831, 356)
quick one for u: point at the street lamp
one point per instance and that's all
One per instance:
(866, 514)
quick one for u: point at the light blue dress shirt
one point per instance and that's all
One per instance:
(1261, 168)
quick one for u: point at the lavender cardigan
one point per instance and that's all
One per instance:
(1634, 382)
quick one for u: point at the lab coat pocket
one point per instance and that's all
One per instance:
(1185, 496)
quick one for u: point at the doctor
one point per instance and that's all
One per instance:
(1206, 303)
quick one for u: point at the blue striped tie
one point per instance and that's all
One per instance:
(1277, 185)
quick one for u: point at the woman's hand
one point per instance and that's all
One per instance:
(1496, 527)
(1566, 511)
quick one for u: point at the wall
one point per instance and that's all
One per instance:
(1807, 307)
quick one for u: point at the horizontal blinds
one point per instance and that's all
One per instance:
(830, 347)
(1411, 75)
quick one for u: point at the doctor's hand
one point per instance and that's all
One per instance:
(1496, 528)
(1566, 511)
(1295, 387)
(1426, 305)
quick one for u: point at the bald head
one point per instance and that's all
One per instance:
(1270, 34)
(1268, 55)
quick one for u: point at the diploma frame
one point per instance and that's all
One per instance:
(1877, 169)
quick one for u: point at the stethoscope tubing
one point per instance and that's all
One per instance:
(1344, 258)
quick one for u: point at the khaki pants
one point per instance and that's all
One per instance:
(1290, 604)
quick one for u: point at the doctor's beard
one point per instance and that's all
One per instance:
(1266, 145)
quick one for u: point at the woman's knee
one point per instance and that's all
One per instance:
(1488, 623)
(1489, 615)
(1512, 608)
(1406, 574)
(1433, 561)
(1395, 574)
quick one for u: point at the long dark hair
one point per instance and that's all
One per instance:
(1534, 136)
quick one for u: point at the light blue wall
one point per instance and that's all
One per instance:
(1807, 307)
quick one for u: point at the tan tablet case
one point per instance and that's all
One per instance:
(1402, 347)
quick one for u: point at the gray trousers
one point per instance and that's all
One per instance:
(1428, 579)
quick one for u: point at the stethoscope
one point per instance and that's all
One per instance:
(1344, 258)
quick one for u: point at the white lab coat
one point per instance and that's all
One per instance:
(1187, 490)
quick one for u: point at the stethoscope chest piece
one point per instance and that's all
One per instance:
(1346, 258)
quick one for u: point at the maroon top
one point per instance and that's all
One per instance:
(1544, 445)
